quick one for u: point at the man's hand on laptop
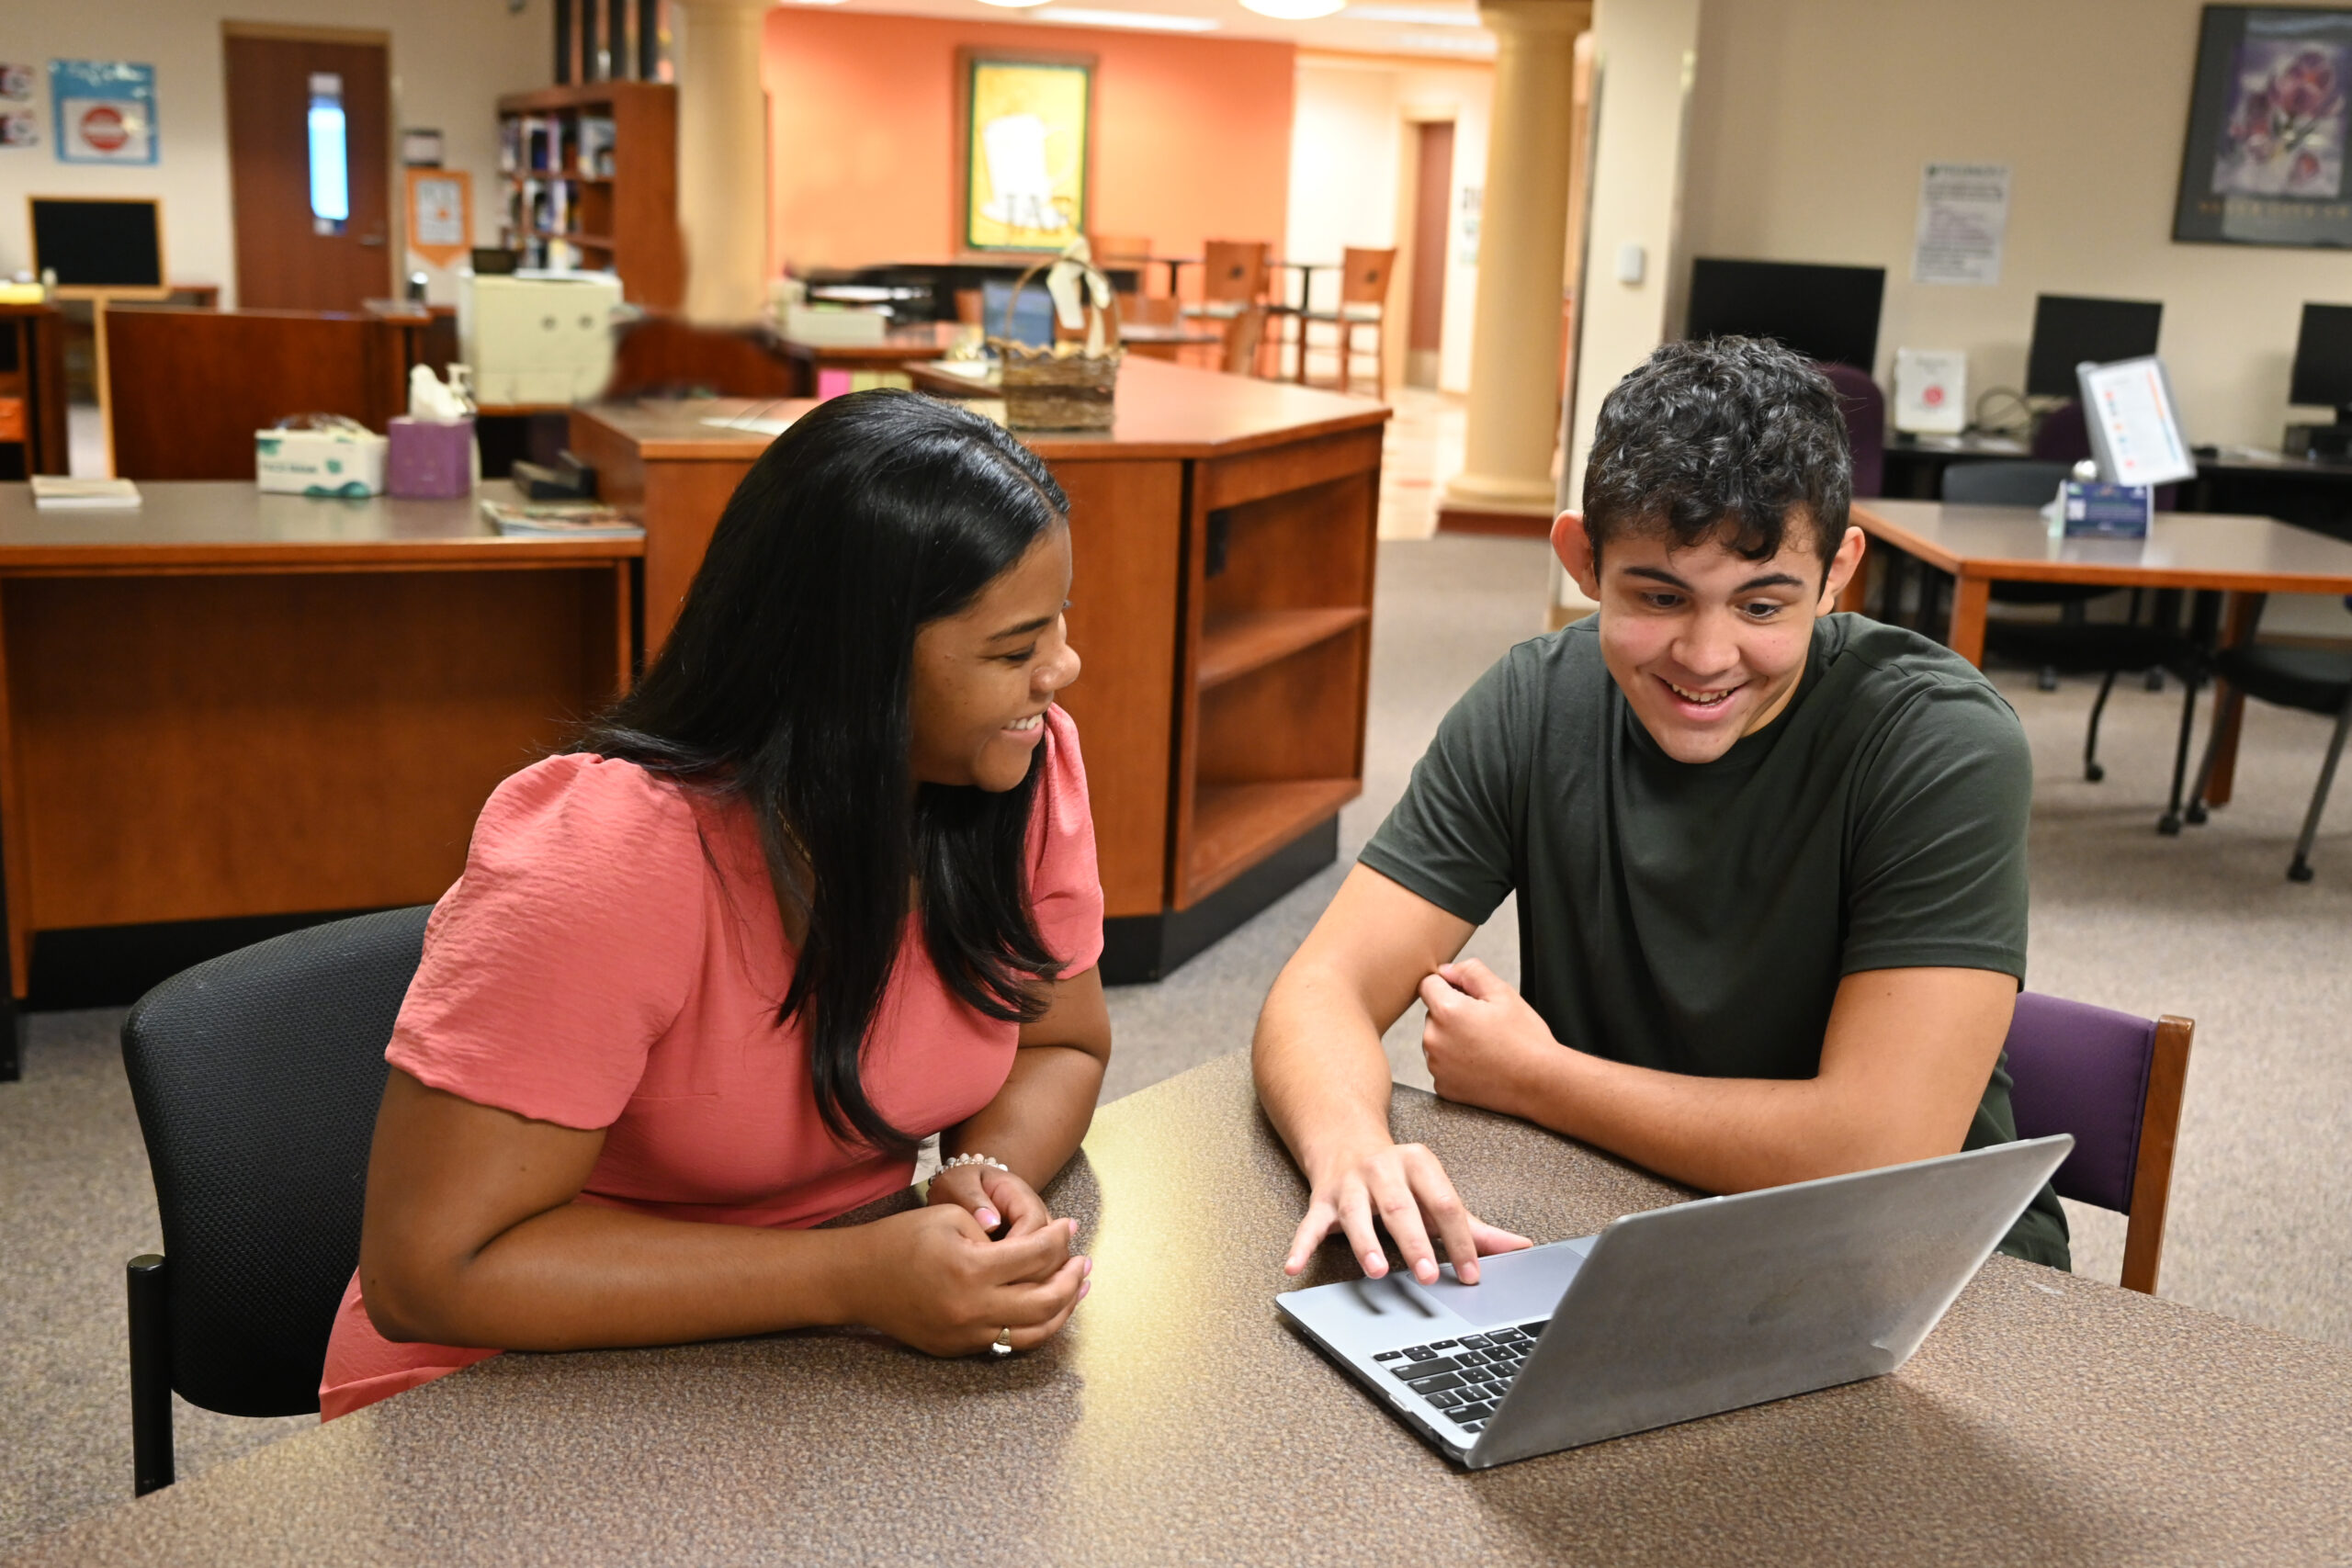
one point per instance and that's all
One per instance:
(1483, 1044)
(1405, 1187)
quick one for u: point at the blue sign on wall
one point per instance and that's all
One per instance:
(105, 111)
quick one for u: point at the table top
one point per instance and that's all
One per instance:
(1163, 411)
(2049, 1418)
(2183, 549)
(227, 525)
(921, 340)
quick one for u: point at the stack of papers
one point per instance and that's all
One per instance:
(55, 492)
(565, 519)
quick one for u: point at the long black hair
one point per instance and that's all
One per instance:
(787, 681)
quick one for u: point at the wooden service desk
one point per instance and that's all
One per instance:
(228, 703)
(2048, 1419)
(1224, 533)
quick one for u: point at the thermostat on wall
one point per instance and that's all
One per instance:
(1930, 390)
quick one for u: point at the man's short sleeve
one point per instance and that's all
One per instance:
(1454, 836)
(1938, 867)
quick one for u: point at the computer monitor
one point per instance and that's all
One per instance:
(99, 245)
(1828, 313)
(2323, 371)
(2069, 329)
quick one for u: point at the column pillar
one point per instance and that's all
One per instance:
(1506, 481)
(722, 158)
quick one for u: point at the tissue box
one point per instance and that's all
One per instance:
(2092, 511)
(319, 462)
(430, 459)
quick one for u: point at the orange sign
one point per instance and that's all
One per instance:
(440, 215)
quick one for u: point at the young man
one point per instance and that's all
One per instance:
(1770, 860)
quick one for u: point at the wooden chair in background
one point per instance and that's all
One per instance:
(1363, 303)
(1233, 290)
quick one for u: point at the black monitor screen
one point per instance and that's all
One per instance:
(98, 244)
(1823, 312)
(2068, 330)
(2324, 357)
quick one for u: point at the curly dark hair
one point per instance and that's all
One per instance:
(1725, 438)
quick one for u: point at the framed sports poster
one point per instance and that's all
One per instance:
(2267, 123)
(1026, 128)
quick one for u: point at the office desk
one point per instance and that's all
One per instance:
(2049, 1419)
(228, 704)
(1223, 531)
(1979, 546)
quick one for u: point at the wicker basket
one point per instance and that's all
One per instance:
(1048, 391)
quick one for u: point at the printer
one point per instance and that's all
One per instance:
(538, 337)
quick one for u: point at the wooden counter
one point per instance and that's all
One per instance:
(1224, 533)
(227, 704)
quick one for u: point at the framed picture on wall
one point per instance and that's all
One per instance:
(1026, 133)
(2267, 127)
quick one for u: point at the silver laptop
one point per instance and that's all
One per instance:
(1681, 1312)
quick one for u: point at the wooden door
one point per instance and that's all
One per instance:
(290, 258)
(1432, 198)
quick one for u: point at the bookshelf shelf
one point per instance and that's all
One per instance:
(1238, 643)
(628, 217)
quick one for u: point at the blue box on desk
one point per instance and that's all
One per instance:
(2093, 510)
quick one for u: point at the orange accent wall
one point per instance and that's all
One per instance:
(1192, 135)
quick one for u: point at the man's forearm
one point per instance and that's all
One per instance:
(1321, 1070)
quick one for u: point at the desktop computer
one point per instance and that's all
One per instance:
(1826, 313)
(2069, 329)
(2322, 375)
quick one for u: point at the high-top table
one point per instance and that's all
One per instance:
(228, 705)
(2048, 1419)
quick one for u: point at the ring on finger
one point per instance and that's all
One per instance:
(1003, 1344)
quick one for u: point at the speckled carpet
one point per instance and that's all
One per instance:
(2205, 926)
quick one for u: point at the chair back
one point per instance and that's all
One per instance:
(257, 1076)
(1108, 248)
(1865, 409)
(1235, 270)
(1364, 275)
(1243, 335)
(2005, 482)
(2114, 1081)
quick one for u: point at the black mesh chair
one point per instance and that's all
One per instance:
(2314, 680)
(257, 1076)
(2076, 645)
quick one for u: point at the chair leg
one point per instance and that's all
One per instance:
(2091, 770)
(2169, 823)
(2300, 868)
(151, 1375)
(2047, 680)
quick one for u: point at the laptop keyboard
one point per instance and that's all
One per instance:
(1465, 1378)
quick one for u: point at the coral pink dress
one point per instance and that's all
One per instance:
(612, 958)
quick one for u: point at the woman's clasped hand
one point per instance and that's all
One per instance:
(941, 1283)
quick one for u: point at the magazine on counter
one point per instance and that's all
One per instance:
(564, 519)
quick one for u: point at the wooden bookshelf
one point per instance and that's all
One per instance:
(588, 177)
(32, 391)
(1234, 645)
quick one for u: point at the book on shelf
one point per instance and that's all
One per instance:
(55, 492)
(596, 137)
(561, 519)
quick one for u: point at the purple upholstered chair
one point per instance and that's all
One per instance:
(1865, 409)
(2114, 1082)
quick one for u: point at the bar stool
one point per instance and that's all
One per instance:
(1363, 303)
(1233, 287)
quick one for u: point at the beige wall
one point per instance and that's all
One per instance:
(1814, 117)
(1352, 138)
(451, 59)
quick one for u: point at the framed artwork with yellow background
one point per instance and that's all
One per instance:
(1027, 130)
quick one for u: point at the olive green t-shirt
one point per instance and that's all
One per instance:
(1697, 918)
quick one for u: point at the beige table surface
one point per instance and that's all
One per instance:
(2047, 1421)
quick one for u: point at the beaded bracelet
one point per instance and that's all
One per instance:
(957, 1161)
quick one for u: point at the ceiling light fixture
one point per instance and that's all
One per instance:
(1294, 10)
(1145, 21)
(1415, 15)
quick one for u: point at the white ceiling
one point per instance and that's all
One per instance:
(1435, 29)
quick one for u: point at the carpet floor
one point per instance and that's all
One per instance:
(2205, 925)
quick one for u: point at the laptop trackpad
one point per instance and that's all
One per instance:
(1513, 1287)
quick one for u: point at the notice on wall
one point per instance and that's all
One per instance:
(105, 111)
(1465, 245)
(20, 115)
(1963, 217)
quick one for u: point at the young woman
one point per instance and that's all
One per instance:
(821, 885)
